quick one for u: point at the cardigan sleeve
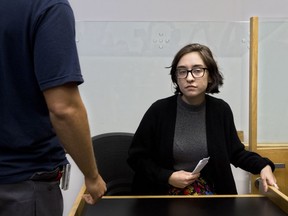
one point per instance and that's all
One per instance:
(239, 156)
(143, 153)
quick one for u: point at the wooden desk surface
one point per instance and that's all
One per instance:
(271, 203)
(243, 205)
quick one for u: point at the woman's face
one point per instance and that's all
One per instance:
(193, 89)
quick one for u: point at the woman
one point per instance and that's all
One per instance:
(176, 132)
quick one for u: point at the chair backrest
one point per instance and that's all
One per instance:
(111, 152)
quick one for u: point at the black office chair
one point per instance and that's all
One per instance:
(111, 152)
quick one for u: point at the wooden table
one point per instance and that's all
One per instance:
(272, 203)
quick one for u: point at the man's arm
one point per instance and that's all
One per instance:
(69, 119)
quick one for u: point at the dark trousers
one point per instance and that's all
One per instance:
(31, 198)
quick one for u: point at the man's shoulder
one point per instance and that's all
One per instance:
(43, 5)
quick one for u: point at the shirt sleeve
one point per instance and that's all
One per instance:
(55, 53)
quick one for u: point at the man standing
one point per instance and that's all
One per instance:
(41, 111)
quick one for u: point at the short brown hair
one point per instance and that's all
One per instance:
(207, 57)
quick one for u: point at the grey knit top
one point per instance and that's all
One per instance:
(190, 143)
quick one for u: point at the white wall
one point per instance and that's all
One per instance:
(163, 10)
(180, 10)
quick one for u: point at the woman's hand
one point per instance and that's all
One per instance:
(181, 179)
(268, 178)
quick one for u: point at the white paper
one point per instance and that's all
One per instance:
(201, 164)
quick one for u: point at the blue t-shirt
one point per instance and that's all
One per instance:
(37, 52)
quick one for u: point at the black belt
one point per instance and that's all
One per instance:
(54, 175)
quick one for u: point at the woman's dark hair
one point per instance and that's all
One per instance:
(207, 57)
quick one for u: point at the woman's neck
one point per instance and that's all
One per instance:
(194, 100)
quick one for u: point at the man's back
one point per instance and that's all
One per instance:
(39, 77)
(32, 59)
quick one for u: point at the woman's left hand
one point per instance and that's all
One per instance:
(268, 178)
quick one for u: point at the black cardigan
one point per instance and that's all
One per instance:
(151, 151)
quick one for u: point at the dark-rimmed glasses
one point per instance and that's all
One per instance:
(196, 72)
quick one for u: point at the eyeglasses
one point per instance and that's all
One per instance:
(196, 72)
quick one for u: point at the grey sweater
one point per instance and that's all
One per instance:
(190, 143)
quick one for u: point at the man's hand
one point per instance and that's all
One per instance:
(96, 188)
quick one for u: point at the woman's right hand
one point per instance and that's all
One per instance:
(181, 179)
